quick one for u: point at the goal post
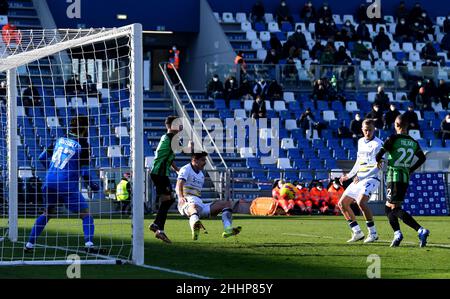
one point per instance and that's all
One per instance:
(52, 78)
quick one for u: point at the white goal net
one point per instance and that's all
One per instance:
(71, 146)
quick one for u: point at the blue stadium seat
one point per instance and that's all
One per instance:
(291, 176)
(315, 164)
(321, 175)
(260, 26)
(273, 174)
(306, 176)
(259, 175)
(299, 164)
(340, 154)
(337, 106)
(429, 115)
(330, 163)
(309, 154)
(293, 153)
(286, 27)
(348, 143)
(322, 105)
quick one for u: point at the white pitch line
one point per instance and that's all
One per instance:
(384, 241)
(174, 271)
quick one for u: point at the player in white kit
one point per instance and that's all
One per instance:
(365, 182)
(189, 187)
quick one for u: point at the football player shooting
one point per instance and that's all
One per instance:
(364, 184)
(189, 186)
(69, 159)
(401, 149)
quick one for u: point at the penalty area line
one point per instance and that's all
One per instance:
(173, 271)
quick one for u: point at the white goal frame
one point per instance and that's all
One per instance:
(11, 63)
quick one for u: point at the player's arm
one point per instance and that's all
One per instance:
(387, 146)
(46, 155)
(420, 154)
(179, 190)
(174, 167)
(352, 172)
(89, 176)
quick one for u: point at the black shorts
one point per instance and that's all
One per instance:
(395, 192)
(162, 184)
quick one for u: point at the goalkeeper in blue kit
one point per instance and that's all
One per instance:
(66, 160)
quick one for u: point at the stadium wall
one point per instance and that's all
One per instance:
(210, 46)
(171, 15)
(434, 7)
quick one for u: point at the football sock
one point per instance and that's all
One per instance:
(38, 227)
(354, 226)
(406, 218)
(371, 227)
(194, 218)
(227, 217)
(393, 220)
(88, 228)
(161, 216)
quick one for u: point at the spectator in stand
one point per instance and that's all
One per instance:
(402, 31)
(332, 30)
(73, 86)
(382, 99)
(425, 21)
(341, 57)
(327, 56)
(308, 13)
(4, 7)
(390, 116)
(362, 32)
(275, 43)
(260, 88)
(320, 92)
(272, 57)
(302, 199)
(275, 91)
(381, 42)
(417, 32)
(31, 97)
(335, 191)
(361, 13)
(283, 14)
(415, 90)
(423, 101)
(377, 115)
(445, 43)
(361, 52)
(215, 88)
(348, 31)
(10, 34)
(401, 11)
(317, 50)
(411, 118)
(320, 198)
(343, 131)
(290, 70)
(325, 12)
(298, 39)
(245, 90)
(443, 94)
(445, 129)
(356, 127)
(429, 52)
(308, 122)
(415, 12)
(3, 92)
(446, 28)
(258, 11)
(90, 88)
(321, 29)
(231, 90)
(258, 108)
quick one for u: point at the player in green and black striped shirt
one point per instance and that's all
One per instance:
(162, 164)
(401, 149)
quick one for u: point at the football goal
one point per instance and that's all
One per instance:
(71, 131)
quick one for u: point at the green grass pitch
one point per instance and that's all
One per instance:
(268, 247)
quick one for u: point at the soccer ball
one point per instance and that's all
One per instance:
(287, 191)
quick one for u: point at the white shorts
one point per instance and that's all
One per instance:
(191, 200)
(363, 187)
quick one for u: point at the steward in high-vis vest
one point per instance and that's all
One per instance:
(123, 193)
